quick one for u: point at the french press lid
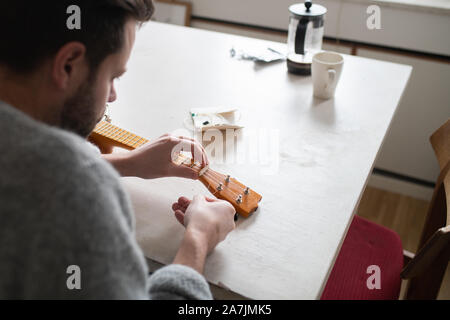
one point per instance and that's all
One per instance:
(307, 9)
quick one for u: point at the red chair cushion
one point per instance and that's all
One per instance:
(366, 244)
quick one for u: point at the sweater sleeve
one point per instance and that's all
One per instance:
(178, 282)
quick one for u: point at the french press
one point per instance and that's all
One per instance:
(305, 35)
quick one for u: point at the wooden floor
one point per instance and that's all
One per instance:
(403, 214)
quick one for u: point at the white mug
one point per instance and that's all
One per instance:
(326, 70)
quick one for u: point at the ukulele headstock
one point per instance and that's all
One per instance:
(243, 199)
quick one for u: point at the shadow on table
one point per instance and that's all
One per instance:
(262, 65)
(323, 110)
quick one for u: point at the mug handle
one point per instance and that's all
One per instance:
(331, 78)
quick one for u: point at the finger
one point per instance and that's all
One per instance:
(183, 201)
(196, 150)
(176, 206)
(198, 153)
(204, 154)
(179, 215)
(232, 209)
(198, 198)
(193, 140)
(180, 206)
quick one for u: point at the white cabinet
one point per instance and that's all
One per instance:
(239, 30)
(404, 24)
(261, 34)
(336, 47)
(425, 106)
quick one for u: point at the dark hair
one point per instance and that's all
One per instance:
(32, 30)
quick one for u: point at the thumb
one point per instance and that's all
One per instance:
(198, 198)
(180, 216)
(212, 199)
(182, 172)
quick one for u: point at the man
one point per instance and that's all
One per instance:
(62, 207)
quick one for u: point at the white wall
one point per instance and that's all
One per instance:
(401, 27)
(424, 107)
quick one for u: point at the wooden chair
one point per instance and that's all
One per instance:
(367, 244)
(427, 269)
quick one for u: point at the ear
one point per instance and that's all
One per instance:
(69, 65)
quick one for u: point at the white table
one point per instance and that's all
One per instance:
(325, 153)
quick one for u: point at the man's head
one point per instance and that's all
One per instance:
(61, 75)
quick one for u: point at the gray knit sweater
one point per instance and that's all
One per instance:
(66, 224)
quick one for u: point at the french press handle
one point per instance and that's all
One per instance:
(300, 34)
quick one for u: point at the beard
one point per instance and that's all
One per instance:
(79, 113)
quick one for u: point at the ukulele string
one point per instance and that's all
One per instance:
(232, 190)
(229, 186)
(213, 176)
(216, 177)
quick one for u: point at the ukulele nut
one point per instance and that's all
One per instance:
(203, 171)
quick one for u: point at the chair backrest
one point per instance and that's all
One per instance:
(440, 141)
(426, 270)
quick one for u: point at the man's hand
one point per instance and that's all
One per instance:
(208, 222)
(155, 159)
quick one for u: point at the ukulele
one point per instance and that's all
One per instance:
(244, 200)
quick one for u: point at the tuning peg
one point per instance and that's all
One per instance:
(227, 179)
(247, 191)
(219, 187)
(239, 199)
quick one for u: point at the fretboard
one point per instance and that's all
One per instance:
(120, 137)
(115, 136)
